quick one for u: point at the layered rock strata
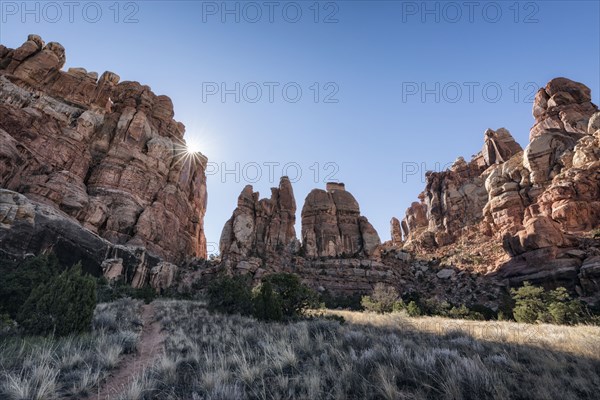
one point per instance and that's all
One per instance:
(107, 157)
(338, 248)
(540, 202)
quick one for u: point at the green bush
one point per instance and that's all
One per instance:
(62, 306)
(413, 309)
(562, 309)
(8, 327)
(534, 304)
(399, 306)
(529, 303)
(267, 304)
(287, 297)
(19, 280)
(230, 295)
(463, 312)
(435, 307)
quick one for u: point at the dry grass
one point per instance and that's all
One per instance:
(582, 340)
(369, 357)
(46, 368)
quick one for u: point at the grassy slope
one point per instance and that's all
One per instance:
(371, 356)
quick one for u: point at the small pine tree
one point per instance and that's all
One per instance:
(282, 296)
(529, 303)
(230, 295)
(534, 304)
(562, 309)
(267, 304)
(293, 296)
(62, 306)
(19, 280)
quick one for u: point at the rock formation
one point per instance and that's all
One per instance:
(396, 231)
(541, 202)
(337, 253)
(333, 227)
(105, 156)
(28, 227)
(455, 199)
(261, 229)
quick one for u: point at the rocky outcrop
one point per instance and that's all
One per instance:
(454, 200)
(396, 231)
(563, 106)
(333, 227)
(338, 249)
(540, 202)
(498, 147)
(262, 228)
(28, 227)
(107, 155)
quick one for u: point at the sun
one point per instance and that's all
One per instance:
(193, 146)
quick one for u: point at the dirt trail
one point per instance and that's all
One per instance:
(150, 346)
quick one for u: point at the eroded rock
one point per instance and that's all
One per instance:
(107, 154)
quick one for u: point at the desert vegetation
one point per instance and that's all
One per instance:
(370, 356)
(35, 367)
(277, 297)
(276, 340)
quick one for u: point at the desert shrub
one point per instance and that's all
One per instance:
(368, 304)
(529, 303)
(267, 304)
(64, 305)
(230, 295)
(533, 304)
(146, 294)
(435, 307)
(562, 309)
(19, 280)
(384, 299)
(413, 309)
(464, 312)
(285, 292)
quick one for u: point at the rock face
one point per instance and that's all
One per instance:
(454, 200)
(28, 227)
(108, 155)
(540, 203)
(337, 253)
(333, 227)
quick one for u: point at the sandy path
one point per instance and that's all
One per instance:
(150, 347)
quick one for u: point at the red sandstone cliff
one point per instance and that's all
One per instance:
(104, 156)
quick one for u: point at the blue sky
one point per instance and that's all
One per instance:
(389, 89)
